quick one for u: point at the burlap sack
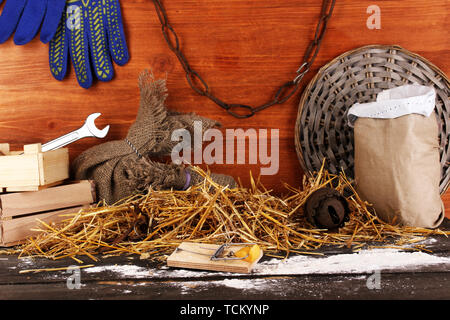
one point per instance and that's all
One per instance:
(122, 168)
(397, 166)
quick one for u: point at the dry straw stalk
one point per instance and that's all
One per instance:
(211, 213)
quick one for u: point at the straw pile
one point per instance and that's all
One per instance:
(153, 224)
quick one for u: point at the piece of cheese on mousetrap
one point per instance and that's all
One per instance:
(192, 255)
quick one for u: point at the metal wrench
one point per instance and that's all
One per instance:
(87, 130)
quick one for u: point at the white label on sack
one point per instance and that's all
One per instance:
(396, 102)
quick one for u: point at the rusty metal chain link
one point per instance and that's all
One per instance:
(284, 93)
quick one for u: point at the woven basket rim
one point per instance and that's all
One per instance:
(319, 73)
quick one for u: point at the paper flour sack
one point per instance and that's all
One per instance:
(397, 166)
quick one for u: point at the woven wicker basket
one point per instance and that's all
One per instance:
(321, 130)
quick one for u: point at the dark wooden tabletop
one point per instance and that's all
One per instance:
(381, 273)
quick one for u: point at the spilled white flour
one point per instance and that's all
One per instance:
(125, 271)
(245, 284)
(358, 265)
(362, 262)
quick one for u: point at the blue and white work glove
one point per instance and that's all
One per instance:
(26, 17)
(92, 32)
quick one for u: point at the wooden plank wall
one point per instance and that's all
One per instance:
(245, 50)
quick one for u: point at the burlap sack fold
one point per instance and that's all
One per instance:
(397, 167)
(115, 165)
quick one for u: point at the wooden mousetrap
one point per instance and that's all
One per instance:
(32, 169)
(235, 257)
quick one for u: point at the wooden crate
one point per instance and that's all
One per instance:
(19, 211)
(32, 169)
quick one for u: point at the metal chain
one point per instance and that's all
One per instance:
(286, 91)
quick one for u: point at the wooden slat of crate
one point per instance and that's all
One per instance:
(14, 231)
(65, 196)
(31, 188)
(53, 166)
(19, 170)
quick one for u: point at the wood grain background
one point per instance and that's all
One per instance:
(244, 49)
